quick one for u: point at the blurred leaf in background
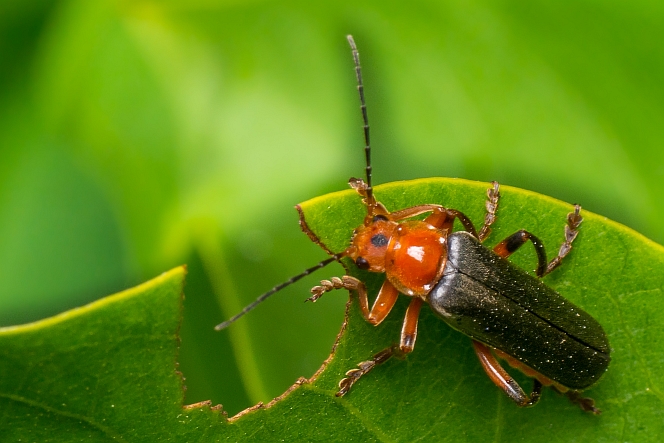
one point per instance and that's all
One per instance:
(135, 136)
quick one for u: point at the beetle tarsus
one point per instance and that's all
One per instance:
(493, 195)
(353, 375)
(345, 282)
(325, 286)
(586, 404)
(364, 190)
(574, 220)
(535, 395)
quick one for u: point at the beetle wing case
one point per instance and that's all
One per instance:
(491, 300)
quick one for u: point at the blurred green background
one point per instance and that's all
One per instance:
(137, 135)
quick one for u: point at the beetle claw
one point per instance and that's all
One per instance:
(588, 405)
(354, 375)
(344, 387)
(317, 292)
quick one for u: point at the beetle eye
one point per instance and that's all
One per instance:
(362, 263)
(379, 240)
(379, 218)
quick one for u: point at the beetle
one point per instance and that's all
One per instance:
(506, 312)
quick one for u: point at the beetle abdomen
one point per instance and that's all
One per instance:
(491, 300)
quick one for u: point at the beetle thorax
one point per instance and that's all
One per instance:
(412, 254)
(416, 257)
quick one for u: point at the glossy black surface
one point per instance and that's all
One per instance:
(493, 301)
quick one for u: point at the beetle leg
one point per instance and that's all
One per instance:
(587, 404)
(373, 207)
(443, 218)
(406, 345)
(414, 211)
(387, 296)
(409, 328)
(574, 219)
(440, 217)
(345, 282)
(493, 195)
(503, 380)
(508, 246)
(365, 367)
(465, 221)
(385, 300)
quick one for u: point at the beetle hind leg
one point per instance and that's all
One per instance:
(503, 380)
(586, 404)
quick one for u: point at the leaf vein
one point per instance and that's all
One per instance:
(367, 423)
(34, 404)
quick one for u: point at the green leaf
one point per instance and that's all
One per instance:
(97, 373)
(107, 371)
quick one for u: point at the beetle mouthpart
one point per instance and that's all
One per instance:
(362, 263)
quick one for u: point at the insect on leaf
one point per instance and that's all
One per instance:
(108, 372)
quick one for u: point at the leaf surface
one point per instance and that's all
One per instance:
(107, 371)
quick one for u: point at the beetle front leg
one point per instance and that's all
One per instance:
(385, 300)
(387, 296)
(406, 346)
(503, 380)
(345, 282)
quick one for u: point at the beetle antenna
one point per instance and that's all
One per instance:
(278, 288)
(363, 108)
